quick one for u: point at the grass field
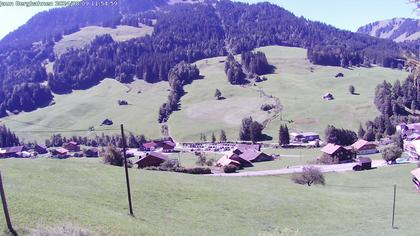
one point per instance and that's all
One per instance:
(84, 108)
(83, 37)
(45, 192)
(300, 92)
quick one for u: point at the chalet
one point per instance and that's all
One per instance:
(11, 151)
(168, 146)
(304, 137)
(72, 146)
(40, 149)
(224, 161)
(328, 96)
(151, 159)
(363, 147)
(338, 153)
(60, 151)
(150, 146)
(242, 161)
(253, 155)
(416, 178)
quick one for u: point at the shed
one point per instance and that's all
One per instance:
(107, 122)
(151, 159)
(41, 149)
(365, 163)
(339, 75)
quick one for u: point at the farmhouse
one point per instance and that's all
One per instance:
(338, 153)
(304, 137)
(253, 155)
(151, 159)
(242, 161)
(224, 161)
(168, 146)
(40, 149)
(150, 146)
(11, 151)
(363, 147)
(72, 146)
(416, 178)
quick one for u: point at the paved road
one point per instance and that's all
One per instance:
(297, 169)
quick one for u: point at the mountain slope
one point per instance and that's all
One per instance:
(397, 29)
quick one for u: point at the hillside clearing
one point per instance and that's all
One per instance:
(93, 196)
(85, 35)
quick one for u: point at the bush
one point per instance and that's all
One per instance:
(391, 153)
(65, 230)
(198, 171)
(266, 107)
(112, 156)
(169, 165)
(327, 160)
(230, 168)
(352, 89)
(309, 176)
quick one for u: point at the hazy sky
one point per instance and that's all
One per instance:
(344, 14)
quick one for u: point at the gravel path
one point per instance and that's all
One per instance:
(294, 169)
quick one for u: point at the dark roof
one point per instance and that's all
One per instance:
(331, 148)
(158, 155)
(14, 149)
(243, 147)
(250, 154)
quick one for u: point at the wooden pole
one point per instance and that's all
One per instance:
(393, 206)
(5, 209)
(127, 179)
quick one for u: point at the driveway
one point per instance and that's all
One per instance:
(297, 169)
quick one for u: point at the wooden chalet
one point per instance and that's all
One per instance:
(244, 163)
(224, 161)
(338, 153)
(363, 147)
(72, 146)
(253, 155)
(151, 159)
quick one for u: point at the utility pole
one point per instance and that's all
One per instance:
(393, 206)
(5, 209)
(127, 179)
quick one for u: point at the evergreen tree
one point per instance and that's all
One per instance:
(217, 94)
(222, 136)
(284, 137)
(361, 132)
(213, 138)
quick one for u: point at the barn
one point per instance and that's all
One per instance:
(363, 147)
(253, 155)
(338, 153)
(11, 151)
(151, 159)
(242, 161)
(72, 146)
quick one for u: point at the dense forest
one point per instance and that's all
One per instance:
(182, 32)
(8, 138)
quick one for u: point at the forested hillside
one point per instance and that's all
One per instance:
(182, 32)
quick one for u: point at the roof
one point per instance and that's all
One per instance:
(224, 161)
(416, 173)
(243, 147)
(360, 143)
(61, 150)
(331, 148)
(158, 155)
(170, 143)
(365, 160)
(149, 144)
(72, 143)
(250, 154)
(327, 95)
(414, 126)
(309, 134)
(41, 146)
(11, 149)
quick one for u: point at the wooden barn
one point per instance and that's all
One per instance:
(11, 151)
(363, 147)
(244, 163)
(253, 155)
(41, 149)
(151, 159)
(72, 146)
(224, 161)
(338, 153)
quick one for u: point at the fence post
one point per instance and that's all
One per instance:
(126, 171)
(5, 209)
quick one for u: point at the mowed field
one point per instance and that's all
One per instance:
(300, 92)
(85, 108)
(47, 193)
(85, 35)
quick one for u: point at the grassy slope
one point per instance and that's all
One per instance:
(299, 90)
(82, 109)
(87, 34)
(45, 192)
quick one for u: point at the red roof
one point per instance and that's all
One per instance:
(149, 145)
(62, 150)
(331, 148)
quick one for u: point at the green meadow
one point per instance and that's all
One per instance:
(46, 193)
